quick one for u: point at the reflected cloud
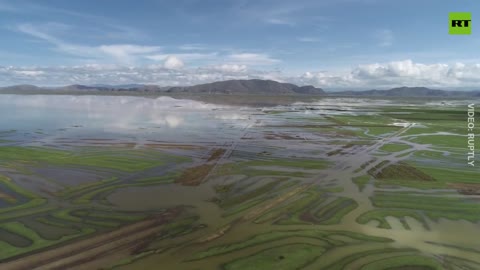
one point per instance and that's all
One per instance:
(110, 113)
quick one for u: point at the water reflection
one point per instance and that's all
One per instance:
(104, 115)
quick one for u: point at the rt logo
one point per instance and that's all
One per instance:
(460, 23)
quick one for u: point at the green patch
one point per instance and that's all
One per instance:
(288, 257)
(394, 147)
(380, 216)
(401, 171)
(289, 163)
(449, 141)
(345, 261)
(434, 207)
(7, 250)
(449, 175)
(228, 200)
(379, 131)
(333, 212)
(293, 210)
(129, 161)
(414, 262)
(361, 181)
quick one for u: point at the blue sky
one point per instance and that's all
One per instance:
(328, 43)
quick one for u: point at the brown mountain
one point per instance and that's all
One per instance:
(265, 87)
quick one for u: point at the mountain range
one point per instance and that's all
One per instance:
(238, 87)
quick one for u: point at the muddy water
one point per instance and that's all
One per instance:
(142, 120)
(167, 196)
(444, 237)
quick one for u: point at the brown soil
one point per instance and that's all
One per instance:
(334, 152)
(466, 188)
(217, 234)
(308, 217)
(344, 133)
(194, 176)
(6, 197)
(216, 154)
(402, 170)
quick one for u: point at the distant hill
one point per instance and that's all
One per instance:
(20, 88)
(31, 89)
(237, 87)
(408, 92)
(118, 86)
(266, 87)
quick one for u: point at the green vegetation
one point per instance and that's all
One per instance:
(322, 238)
(72, 190)
(231, 201)
(394, 147)
(16, 188)
(380, 216)
(293, 210)
(387, 130)
(293, 163)
(321, 241)
(261, 239)
(417, 206)
(333, 212)
(449, 175)
(345, 261)
(361, 181)
(267, 204)
(449, 141)
(114, 159)
(288, 257)
(32, 205)
(400, 262)
(7, 250)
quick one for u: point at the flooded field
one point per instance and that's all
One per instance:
(98, 182)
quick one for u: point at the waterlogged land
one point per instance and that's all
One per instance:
(136, 183)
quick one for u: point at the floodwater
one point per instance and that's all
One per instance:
(41, 120)
(136, 119)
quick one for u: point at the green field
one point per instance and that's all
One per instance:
(279, 189)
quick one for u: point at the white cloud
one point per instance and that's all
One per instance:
(121, 53)
(173, 62)
(230, 68)
(38, 32)
(375, 75)
(127, 52)
(32, 73)
(116, 74)
(398, 73)
(184, 56)
(132, 54)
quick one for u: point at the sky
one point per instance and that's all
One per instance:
(333, 44)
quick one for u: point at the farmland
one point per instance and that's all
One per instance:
(332, 184)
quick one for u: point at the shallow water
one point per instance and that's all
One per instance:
(246, 133)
